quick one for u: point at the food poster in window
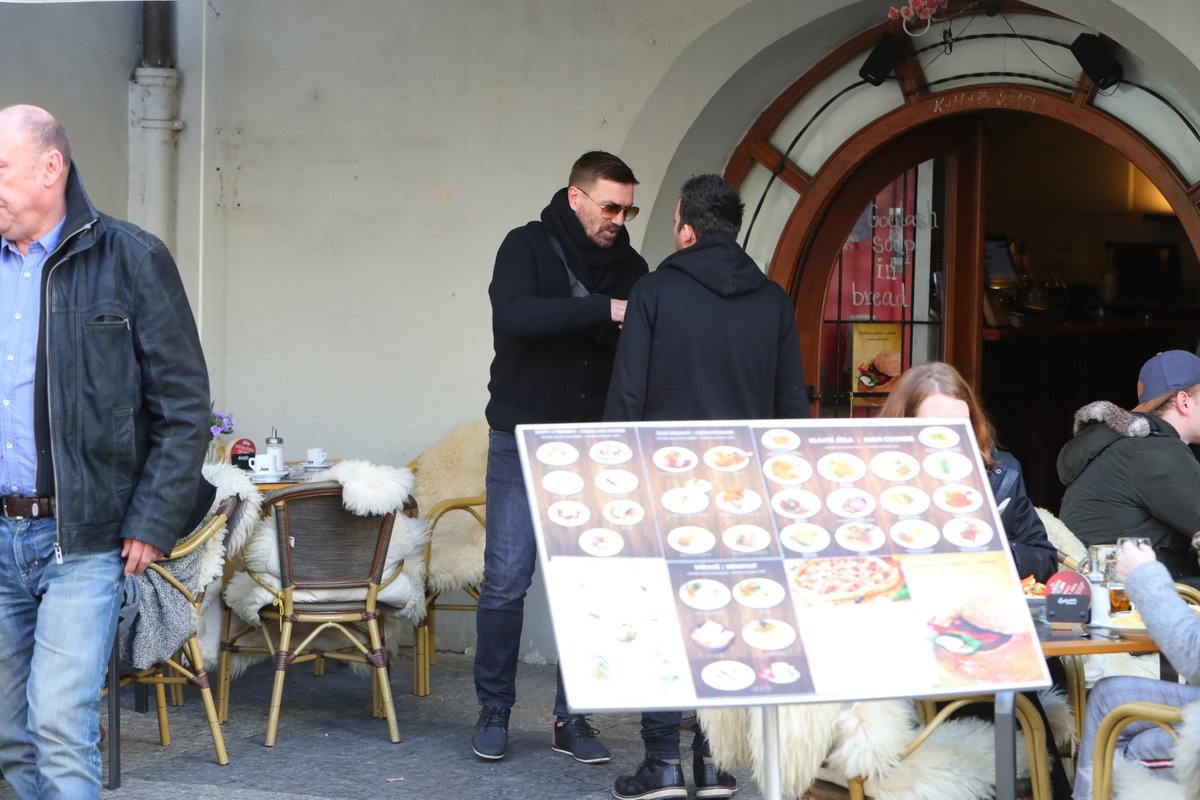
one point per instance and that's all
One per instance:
(774, 561)
(878, 358)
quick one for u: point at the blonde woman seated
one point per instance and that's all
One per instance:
(935, 389)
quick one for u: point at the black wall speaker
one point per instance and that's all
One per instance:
(887, 51)
(1100, 65)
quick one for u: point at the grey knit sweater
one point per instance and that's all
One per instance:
(1175, 628)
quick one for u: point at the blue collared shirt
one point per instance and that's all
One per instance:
(20, 310)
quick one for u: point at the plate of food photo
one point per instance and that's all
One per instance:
(967, 532)
(786, 469)
(682, 500)
(850, 502)
(616, 481)
(557, 454)
(758, 593)
(738, 500)
(915, 534)
(768, 634)
(623, 512)
(610, 452)
(957, 498)
(804, 537)
(568, 513)
(938, 436)
(691, 540)
(704, 594)
(675, 459)
(601, 542)
(841, 467)
(904, 501)
(725, 458)
(780, 440)
(795, 503)
(562, 482)
(746, 538)
(860, 537)
(727, 676)
(892, 465)
(948, 465)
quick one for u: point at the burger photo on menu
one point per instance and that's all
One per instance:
(878, 374)
(986, 639)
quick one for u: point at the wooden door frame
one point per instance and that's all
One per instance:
(803, 262)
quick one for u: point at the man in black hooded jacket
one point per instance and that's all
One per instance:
(706, 336)
(558, 295)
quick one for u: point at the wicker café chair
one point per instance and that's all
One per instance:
(324, 549)
(1166, 717)
(186, 666)
(425, 632)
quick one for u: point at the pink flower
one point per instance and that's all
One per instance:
(924, 13)
(906, 12)
(893, 13)
(917, 4)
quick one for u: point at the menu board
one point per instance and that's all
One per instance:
(693, 564)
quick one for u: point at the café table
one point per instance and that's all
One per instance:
(1075, 640)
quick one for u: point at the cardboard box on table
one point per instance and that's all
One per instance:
(700, 564)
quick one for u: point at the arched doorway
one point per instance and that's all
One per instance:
(833, 182)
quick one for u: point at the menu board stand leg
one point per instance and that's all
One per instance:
(771, 761)
(1006, 747)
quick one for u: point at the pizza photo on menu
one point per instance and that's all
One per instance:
(848, 580)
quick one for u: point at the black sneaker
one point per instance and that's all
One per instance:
(490, 739)
(654, 779)
(710, 781)
(575, 737)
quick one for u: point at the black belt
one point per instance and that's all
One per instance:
(17, 507)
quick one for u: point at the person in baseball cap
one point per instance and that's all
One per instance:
(1164, 375)
(1132, 473)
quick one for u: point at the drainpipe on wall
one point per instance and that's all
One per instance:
(153, 123)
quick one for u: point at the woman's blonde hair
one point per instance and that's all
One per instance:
(937, 377)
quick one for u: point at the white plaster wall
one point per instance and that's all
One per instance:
(363, 159)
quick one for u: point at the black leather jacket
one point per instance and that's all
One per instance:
(1027, 537)
(121, 392)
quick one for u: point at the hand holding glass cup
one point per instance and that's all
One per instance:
(1132, 552)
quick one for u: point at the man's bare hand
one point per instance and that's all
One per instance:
(618, 310)
(138, 555)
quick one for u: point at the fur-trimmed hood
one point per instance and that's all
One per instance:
(1097, 426)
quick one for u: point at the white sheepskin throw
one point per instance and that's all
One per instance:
(835, 742)
(1132, 781)
(455, 466)
(367, 489)
(1187, 753)
(806, 735)
(1060, 535)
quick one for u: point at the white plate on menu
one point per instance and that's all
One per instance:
(610, 452)
(675, 459)
(737, 500)
(691, 540)
(557, 454)
(727, 676)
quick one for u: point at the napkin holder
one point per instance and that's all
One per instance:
(1068, 600)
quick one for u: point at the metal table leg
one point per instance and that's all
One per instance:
(771, 791)
(1006, 746)
(114, 716)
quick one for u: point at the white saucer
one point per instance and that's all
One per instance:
(326, 465)
(267, 477)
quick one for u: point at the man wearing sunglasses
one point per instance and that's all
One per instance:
(558, 295)
(706, 336)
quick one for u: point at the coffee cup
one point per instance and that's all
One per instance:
(316, 455)
(265, 463)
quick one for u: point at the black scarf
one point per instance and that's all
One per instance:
(590, 262)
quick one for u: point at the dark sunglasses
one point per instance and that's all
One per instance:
(610, 210)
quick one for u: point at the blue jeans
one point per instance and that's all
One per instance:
(509, 557)
(57, 623)
(1141, 740)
